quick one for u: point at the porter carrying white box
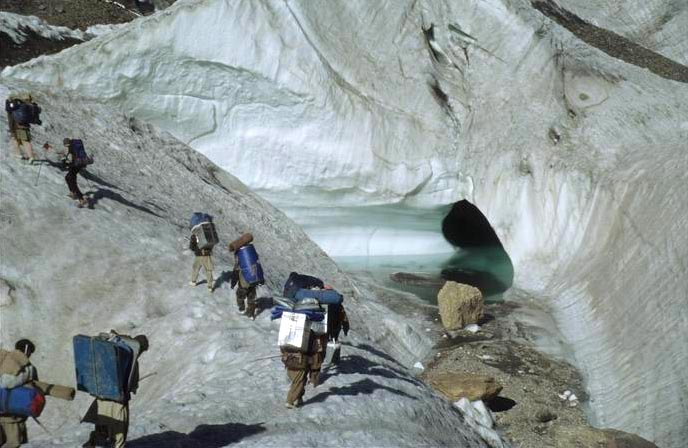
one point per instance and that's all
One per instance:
(294, 331)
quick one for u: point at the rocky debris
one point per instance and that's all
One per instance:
(592, 437)
(455, 386)
(480, 418)
(529, 409)
(460, 305)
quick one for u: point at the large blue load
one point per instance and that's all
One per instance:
(297, 281)
(250, 264)
(324, 296)
(199, 217)
(103, 367)
(21, 402)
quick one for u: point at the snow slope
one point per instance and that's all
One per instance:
(577, 158)
(124, 265)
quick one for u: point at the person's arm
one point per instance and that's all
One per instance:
(193, 245)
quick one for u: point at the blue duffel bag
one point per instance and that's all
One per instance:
(324, 296)
(21, 402)
(103, 367)
(199, 217)
(250, 265)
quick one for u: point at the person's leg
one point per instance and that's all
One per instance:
(298, 385)
(121, 428)
(195, 269)
(14, 145)
(240, 297)
(28, 150)
(208, 266)
(14, 434)
(77, 191)
(70, 178)
(251, 302)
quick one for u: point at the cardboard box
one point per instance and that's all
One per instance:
(294, 331)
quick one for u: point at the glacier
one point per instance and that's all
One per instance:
(577, 158)
(124, 264)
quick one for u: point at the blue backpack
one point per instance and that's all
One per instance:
(200, 217)
(81, 159)
(21, 402)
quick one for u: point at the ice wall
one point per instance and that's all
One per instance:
(574, 156)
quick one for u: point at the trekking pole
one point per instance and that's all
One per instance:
(38, 175)
(264, 358)
(41, 425)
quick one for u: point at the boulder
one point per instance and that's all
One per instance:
(460, 305)
(455, 386)
(620, 439)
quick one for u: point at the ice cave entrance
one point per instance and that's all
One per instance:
(480, 260)
(411, 249)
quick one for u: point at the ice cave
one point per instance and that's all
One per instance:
(537, 148)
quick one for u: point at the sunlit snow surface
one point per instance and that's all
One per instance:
(125, 265)
(578, 160)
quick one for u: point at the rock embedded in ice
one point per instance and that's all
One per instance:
(473, 328)
(419, 366)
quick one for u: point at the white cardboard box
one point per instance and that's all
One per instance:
(294, 331)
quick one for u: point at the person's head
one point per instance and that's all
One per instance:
(25, 346)
(66, 141)
(143, 343)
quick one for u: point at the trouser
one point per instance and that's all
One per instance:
(299, 378)
(21, 147)
(247, 296)
(71, 182)
(207, 262)
(112, 423)
(12, 435)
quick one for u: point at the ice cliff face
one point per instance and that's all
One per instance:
(124, 265)
(574, 150)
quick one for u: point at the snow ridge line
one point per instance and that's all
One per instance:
(613, 44)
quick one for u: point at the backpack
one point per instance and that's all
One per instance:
(12, 104)
(199, 217)
(298, 281)
(24, 113)
(80, 159)
(21, 402)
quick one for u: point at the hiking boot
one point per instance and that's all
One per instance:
(240, 311)
(31, 161)
(299, 402)
(210, 290)
(289, 405)
(83, 202)
(192, 283)
(71, 196)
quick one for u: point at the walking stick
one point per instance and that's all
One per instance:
(41, 425)
(38, 175)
